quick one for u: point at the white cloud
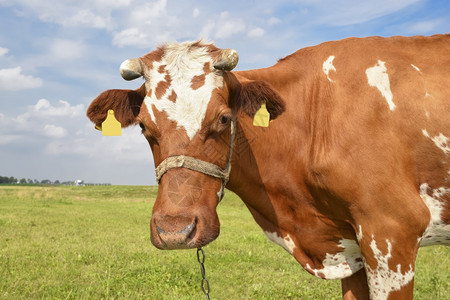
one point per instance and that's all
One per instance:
(3, 51)
(62, 49)
(44, 111)
(12, 79)
(87, 18)
(54, 131)
(256, 32)
(30, 136)
(425, 27)
(195, 12)
(130, 36)
(274, 21)
(228, 26)
(44, 108)
(206, 31)
(149, 24)
(147, 12)
(356, 11)
(6, 139)
(130, 146)
(82, 13)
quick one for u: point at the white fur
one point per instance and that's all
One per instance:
(417, 69)
(183, 63)
(359, 235)
(377, 77)
(441, 141)
(341, 264)
(328, 66)
(286, 242)
(382, 280)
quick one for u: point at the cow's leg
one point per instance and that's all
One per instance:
(355, 286)
(389, 257)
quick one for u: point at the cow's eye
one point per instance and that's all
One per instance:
(142, 126)
(224, 120)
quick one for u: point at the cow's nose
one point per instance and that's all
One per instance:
(175, 233)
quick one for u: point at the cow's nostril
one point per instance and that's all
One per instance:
(173, 238)
(188, 229)
(160, 230)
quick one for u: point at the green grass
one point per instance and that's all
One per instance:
(93, 243)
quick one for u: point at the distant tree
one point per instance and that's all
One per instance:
(29, 181)
(46, 181)
(8, 180)
(23, 181)
(56, 182)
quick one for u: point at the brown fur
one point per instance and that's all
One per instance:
(125, 103)
(248, 95)
(162, 86)
(173, 97)
(198, 81)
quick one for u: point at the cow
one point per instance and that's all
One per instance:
(351, 174)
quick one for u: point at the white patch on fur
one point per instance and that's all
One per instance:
(341, 264)
(183, 62)
(377, 77)
(437, 232)
(220, 192)
(359, 235)
(328, 66)
(286, 242)
(417, 69)
(441, 141)
(382, 280)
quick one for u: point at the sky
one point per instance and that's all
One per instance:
(56, 56)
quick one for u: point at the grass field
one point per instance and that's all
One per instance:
(93, 243)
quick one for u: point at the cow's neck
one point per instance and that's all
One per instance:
(271, 170)
(260, 156)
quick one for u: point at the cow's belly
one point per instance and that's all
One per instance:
(323, 259)
(437, 232)
(341, 264)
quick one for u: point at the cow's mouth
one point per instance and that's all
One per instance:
(178, 239)
(168, 233)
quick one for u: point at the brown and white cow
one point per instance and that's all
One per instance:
(352, 175)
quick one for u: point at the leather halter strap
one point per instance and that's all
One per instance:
(198, 165)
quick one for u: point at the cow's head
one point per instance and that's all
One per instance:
(186, 107)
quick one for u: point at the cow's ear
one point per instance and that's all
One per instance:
(249, 95)
(125, 103)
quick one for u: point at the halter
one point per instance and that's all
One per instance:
(198, 165)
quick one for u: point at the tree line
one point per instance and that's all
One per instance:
(12, 180)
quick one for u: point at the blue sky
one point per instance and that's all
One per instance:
(56, 56)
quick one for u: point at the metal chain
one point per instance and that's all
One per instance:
(205, 282)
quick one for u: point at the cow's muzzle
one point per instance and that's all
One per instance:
(174, 232)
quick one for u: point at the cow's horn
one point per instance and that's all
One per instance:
(227, 61)
(132, 69)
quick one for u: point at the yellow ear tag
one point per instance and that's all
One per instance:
(111, 127)
(262, 117)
